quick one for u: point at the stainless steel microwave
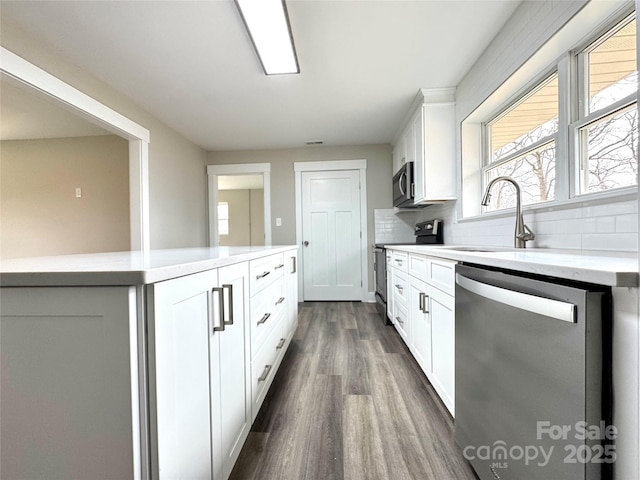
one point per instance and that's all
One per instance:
(403, 188)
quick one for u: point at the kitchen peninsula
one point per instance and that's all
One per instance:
(137, 365)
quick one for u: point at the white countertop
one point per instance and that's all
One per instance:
(601, 269)
(124, 268)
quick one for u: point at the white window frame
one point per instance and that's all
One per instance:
(487, 158)
(559, 53)
(582, 118)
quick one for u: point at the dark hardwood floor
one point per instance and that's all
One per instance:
(350, 402)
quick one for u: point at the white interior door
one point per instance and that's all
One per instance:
(331, 235)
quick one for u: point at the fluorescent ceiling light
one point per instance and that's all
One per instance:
(268, 25)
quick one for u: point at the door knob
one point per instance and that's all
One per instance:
(305, 243)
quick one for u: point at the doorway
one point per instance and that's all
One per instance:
(239, 204)
(331, 228)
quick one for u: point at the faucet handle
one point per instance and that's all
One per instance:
(527, 235)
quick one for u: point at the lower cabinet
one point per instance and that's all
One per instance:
(229, 366)
(212, 360)
(424, 315)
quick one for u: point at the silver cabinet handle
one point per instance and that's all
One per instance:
(280, 344)
(230, 288)
(262, 275)
(265, 373)
(422, 302)
(220, 293)
(280, 300)
(294, 265)
(531, 303)
(399, 287)
(279, 266)
(399, 321)
(264, 318)
(398, 261)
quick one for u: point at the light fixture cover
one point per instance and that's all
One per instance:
(268, 24)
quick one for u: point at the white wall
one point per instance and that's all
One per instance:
(177, 178)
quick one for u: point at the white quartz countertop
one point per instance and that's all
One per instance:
(124, 268)
(615, 271)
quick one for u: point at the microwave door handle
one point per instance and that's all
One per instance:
(400, 180)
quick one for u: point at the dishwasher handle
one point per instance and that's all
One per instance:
(531, 303)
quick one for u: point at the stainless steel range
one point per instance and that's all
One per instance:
(427, 233)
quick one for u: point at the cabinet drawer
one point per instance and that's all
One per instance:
(264, 309)
(264, 271)
(399, 287)
(401, 321)
(441, 274)
(399, 260)
(418, 266)
(264, 365)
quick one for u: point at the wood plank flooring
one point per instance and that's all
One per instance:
(350, 402)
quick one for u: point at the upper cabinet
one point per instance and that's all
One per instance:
(428, 140)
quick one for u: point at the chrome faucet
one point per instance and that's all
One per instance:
(522, 234)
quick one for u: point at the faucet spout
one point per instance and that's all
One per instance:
(522, 233)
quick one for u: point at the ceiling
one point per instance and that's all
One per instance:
(191, 63)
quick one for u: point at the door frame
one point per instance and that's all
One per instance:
(334, 165)
(213, 171)
(99, 114)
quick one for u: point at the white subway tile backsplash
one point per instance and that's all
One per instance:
(627, 223)
(610, 241)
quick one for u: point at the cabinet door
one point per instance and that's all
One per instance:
(420, 320)
(179, 326)
(230, 371)
(442, 310)
(418, 166)
(291, 292)
(439, 174)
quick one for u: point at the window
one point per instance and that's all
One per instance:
(223, 218)
(522, 145)
(607, 127)
(577, 126)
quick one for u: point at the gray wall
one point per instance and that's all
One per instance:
(246, 217)
(39, 212)
(283, 184)
(177, 190)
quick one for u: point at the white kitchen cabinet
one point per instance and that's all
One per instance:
(442, 312)
(421, 293)
(420, 320)
(428, 139)
(230, 371)
(291, 291)
(182, 312)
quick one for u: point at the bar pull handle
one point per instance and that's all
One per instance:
(262, 275)
(280, 300)
(531, 303)
(424, 298)
(220, 292)
(399, 287)
(280, 344)
(264, 318)
(421, 302)
(279, 266)
(399, 321)
(294, 265)
(265, 373)
(230, 297)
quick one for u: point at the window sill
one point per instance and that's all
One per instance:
(623, 194)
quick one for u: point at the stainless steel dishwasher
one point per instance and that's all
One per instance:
(533, 376)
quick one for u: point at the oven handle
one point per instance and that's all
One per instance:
(531, 303)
